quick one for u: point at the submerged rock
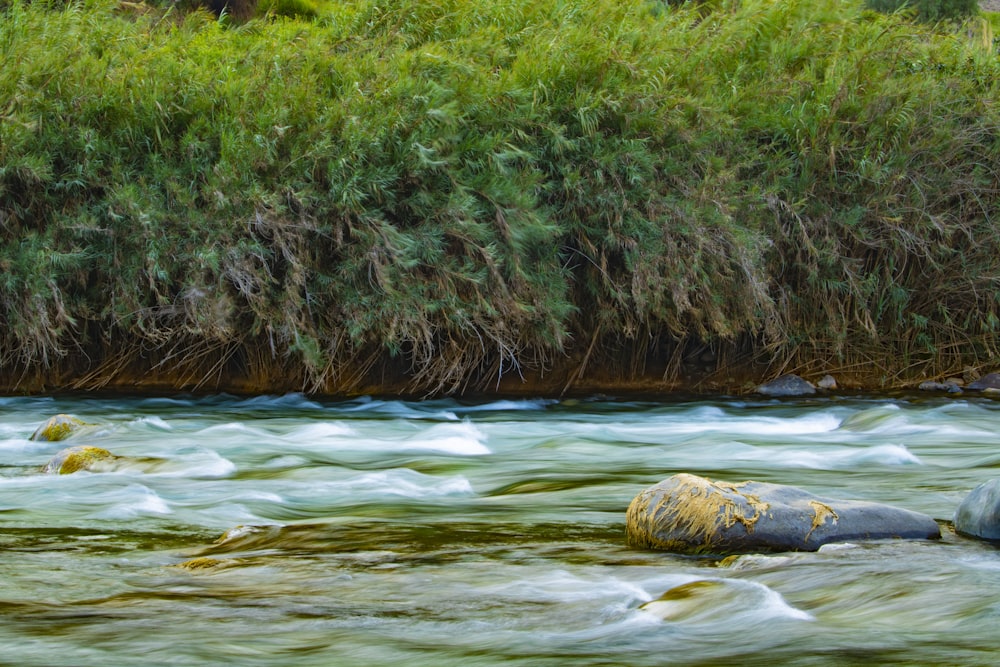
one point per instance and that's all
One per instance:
(979, 513)
(58, 428)
(83, 457)
(207, 563)
(688, 599)
(691, 514)
(715, 600)
(787, 385)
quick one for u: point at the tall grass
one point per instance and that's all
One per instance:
(467, 191)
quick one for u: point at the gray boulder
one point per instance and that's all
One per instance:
(787, 385)
(988, 381)
(949, 386)
(691, 514)
(979, 513)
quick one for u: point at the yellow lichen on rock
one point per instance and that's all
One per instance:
(690, 514)
(58, 427)
(74, 459)
(821, 512)
(695, 507)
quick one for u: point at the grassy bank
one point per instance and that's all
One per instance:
(450, 195)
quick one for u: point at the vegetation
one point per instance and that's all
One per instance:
(459, 192)
(928, 10)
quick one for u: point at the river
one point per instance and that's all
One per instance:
(376, 532)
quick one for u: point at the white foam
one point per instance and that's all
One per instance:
(887, 455)
(286, 461)
(155, 422)
(398, 409)
(989, 562)
(464, 439)
(408, 484)
(461, 439)
(773, 605)
(398, 482)
(132, 501)
(18, 445)
(231, 427)
(566, 587)
(807, 425)
(320, 431)
(292, 400)
(827, 458)
(16, 431)
(202, 464)
(659, 429)
(505, 406)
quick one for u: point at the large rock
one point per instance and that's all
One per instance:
(987, 382)
(787, 385)
(949, 386)
(83, 457)
(979, 513)
(58, 427)
(691, 514)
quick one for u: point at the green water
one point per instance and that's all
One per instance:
(387, 532)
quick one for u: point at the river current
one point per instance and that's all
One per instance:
(286, 531)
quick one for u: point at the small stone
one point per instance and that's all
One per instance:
(827, 382)
(932, 385)
(787, 385)
(74, 459)
(58, 428)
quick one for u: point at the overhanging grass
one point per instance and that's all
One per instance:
(480, 188)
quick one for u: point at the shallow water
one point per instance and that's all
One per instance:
(435, 533)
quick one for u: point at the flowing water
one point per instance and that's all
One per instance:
(376, 532)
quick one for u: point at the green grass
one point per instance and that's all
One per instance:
(472, 189)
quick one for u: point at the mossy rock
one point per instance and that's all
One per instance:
(83, 457)
(59, 427)
(691, 514)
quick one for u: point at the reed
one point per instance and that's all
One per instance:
(469, 191)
